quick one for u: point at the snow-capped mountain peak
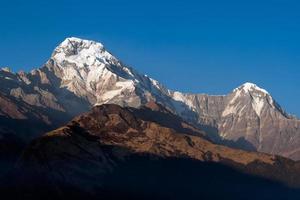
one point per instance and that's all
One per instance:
(81, 52)
(251, 87)
(248, 94)
(89, 71)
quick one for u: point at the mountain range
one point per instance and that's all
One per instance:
(85, 125)
(81, 74)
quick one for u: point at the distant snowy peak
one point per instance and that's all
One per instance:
(249, 94)
(251, 87)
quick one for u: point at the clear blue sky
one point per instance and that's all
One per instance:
(193, 46)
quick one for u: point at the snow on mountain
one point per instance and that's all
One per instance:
(82, 73)
(250, 87)
(259, 98)
(6, 69)
(91, 72)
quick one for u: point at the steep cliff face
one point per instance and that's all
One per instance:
(81, 74)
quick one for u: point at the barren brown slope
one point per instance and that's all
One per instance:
(149, 131)
(161, 134)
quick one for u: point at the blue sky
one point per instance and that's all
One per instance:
(192, 46)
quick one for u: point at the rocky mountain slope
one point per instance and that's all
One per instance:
(81, 74)
(138, 153)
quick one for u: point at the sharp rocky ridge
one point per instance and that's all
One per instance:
(82, 73)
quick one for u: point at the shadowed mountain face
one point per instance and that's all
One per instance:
(81, 74)
(114, 152)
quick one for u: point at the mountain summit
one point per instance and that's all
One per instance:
(81, 74)
(249, 87)
(89, 71)
(259, 99)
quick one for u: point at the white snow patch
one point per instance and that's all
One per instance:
(128, 71)
(83, 53)
(178, 96)
(258, 96)
(6, 69)
(258, 99)
(155, 83)
(249, 87)
(258, 104)
(8, 78)
(111, 94)
(231, 108)
(126, 84)
(121, 86)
